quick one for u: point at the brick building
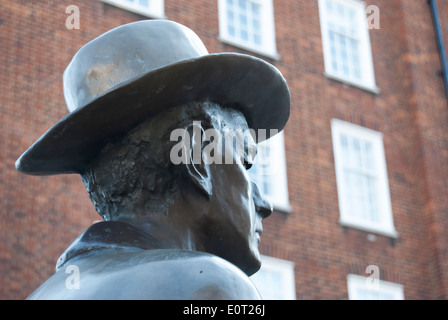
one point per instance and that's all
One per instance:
(359, 179)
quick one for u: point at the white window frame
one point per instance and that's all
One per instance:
(156, 8)
(385, 225)
(357, 284)
(268, 46)
(271, 170)
(285, 287)
(367, 81)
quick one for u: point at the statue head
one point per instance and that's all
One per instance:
(148, 131)
(207, 204)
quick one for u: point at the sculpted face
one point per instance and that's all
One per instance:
(234, 226)
(205, 203)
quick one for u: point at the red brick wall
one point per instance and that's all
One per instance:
(41, 216)
(428, 102)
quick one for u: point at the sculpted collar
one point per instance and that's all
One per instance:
(108, 235)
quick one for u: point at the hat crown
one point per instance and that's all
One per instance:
(124, 53)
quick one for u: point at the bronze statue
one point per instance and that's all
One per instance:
(178, 223)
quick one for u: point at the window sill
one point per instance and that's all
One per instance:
(390, 233)
(270, 55)
(135, 10)
(372, 89)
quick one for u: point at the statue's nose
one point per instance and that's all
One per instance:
(262, 205)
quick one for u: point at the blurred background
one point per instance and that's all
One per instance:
(358, 178)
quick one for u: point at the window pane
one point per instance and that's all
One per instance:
(357, 73)
(230, 17)
(353, 46)
(243, 21)
(372, 200)
(231, 30)
(340, 10)
(264, 165)
(245, 18)
(242, 4)
(360, 186)
(345, 70)
(345, 150)
(144, 3)
(349, 196)
(368, 156)
(256, 25)
(353, 24)
(344, 40)
(357, 191)
(255, 9)
(356, 152)
(329, 6)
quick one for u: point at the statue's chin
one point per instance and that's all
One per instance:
(251, 264)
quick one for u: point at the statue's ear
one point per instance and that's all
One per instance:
(198, 169)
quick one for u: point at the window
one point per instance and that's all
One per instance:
(363, 189)
(248, 24)
(346, 42)
(269, 172)
(275, 279)
(360, 289)
(149, 8)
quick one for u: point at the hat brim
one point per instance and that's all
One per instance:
(243, 82)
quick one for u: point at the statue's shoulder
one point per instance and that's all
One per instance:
(151, 274)
(199, 275)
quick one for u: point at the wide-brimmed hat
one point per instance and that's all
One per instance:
(143, 68)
